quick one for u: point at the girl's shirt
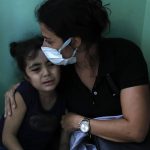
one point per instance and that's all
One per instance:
(40, 129)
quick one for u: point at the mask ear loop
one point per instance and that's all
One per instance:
(74, 52)
(65, 44)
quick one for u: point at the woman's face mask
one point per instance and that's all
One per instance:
(56, 57)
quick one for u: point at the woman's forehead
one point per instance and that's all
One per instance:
(47, 34)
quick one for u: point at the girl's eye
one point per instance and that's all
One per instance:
(35, 69)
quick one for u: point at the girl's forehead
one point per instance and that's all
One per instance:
(40, 57)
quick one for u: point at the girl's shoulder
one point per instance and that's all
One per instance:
(25, 87)
(28, 92)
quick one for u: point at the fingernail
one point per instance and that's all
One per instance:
(13, 106)
(9, 113)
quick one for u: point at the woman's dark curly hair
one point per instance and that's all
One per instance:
(67, 18)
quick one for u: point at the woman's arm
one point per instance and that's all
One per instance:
(134, 125)
(135, 102)
(10, 102)
(12, 124)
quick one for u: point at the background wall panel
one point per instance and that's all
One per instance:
(129, 19)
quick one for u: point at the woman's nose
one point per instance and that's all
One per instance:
(45, 44)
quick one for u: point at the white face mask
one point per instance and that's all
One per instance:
(55, 56)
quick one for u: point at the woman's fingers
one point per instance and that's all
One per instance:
(11, 95)
(7, 107)
(10, 102)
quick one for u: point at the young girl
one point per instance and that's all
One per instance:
(35, 124)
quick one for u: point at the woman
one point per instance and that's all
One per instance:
(106, 76)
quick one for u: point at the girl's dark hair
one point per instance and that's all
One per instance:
(25, 50)
(67, 18)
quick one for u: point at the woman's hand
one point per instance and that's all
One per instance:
(71, 121)
(10, 102)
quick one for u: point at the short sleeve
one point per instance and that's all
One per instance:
(27, 92)
(132, 65)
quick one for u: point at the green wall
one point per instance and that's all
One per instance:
(129, 19)
(145, 42)
(17, 22)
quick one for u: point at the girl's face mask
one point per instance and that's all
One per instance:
(55, 56)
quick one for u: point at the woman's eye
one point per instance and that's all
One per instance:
(48, 42)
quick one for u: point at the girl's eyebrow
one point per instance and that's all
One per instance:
(37, 64)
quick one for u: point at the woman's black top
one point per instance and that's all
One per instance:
(122, 65)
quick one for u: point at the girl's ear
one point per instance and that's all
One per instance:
(76, 42)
